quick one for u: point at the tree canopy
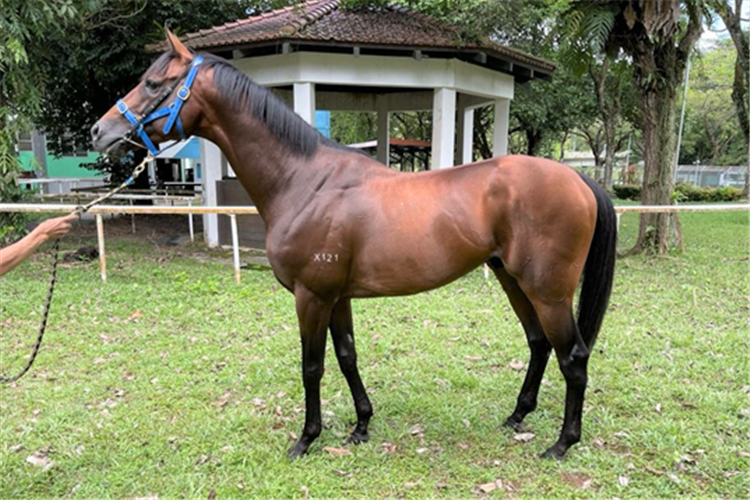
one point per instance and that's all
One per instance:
(102, 55)
(64, 63)
(711, 136)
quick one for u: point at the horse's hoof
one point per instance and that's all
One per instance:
(553, 453)
(296, 451)
(518, 426)
(358, 438)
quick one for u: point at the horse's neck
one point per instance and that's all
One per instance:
(266, 169)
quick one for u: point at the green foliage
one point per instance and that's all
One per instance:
(658, 36)
(585, 28)
(12, 225)
(684, 192)
(349, 127)
(627, 192)
(542, 111)
(688, 192)
(24, 24)
(598, 25)
(710, 136)
(412, 125)
(24, 27)
(730, 15)
(94, 66)
(474, 19)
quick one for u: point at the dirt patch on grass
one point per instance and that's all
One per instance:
(576, 480)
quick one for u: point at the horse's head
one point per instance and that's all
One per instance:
(166, 104)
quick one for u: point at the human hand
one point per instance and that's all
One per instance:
(58, 227)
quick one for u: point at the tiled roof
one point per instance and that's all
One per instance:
(324, 21)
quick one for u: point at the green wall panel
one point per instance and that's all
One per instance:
(64, 166)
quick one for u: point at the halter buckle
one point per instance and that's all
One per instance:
(184, 93)
(122, 107)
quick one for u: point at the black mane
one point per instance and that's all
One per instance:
(243, 93)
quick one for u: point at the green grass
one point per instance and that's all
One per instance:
(201, 389)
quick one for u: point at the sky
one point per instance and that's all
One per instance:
(718, 31)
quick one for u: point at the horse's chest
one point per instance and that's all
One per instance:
(318, 263)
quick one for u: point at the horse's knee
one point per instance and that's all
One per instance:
(312, 372)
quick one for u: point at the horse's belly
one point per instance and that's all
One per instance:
(410, 262)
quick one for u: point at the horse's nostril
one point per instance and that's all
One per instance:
(95, 131)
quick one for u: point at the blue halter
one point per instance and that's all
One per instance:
(172, 111)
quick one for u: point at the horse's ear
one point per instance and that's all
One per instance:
(178, 47)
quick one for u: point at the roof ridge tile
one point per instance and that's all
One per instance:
(395, 25)
(319, 9)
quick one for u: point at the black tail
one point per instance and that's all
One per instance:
(599, 270)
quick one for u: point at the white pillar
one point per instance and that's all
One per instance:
(100, 238)
(384, 136)
(211, 172)
(467, 136)
(443, 127)
(304, 101)
(460, 118)
(235, 247)
(500, 133)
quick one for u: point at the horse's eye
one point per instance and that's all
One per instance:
(152, 85)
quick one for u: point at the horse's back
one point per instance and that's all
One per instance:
(424, 230)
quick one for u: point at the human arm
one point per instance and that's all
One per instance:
(51, 229)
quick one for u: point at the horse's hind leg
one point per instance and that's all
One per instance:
(342, 331)
(538, 345)
(572, 356)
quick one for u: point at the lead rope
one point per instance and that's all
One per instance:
(53, 275)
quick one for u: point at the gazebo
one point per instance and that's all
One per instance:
(319, 56)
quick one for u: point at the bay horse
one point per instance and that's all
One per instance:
(336, 229)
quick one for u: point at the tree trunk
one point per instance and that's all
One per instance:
(595, 144)
(609, 153)
(609, 113)
(739, 98)
(533, 141)
(562, 146)
(482, 131)
(658, 108)
(732, 21)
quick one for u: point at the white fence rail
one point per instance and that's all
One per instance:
(61, 185)
(99, 210)
(234, 211)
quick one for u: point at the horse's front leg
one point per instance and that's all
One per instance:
(342, 332)
(314, 314)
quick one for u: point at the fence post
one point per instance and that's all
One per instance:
(100, 238)
(190, 224)
(235, 247)
(132, 218)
